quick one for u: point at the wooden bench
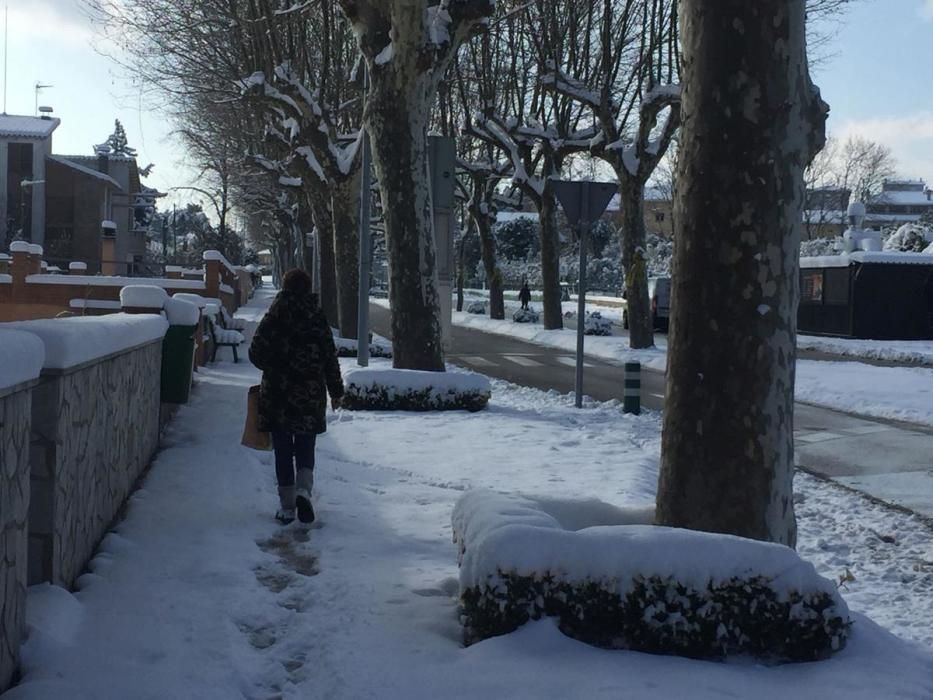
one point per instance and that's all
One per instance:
(224, 337)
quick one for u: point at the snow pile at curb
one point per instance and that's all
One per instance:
(23, 354)
(74, 341)
(638, 586)
(371, 389)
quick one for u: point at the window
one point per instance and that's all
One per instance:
(811, 286)
(658, 216)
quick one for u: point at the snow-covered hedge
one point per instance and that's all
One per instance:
(638, 586)
(347, 347)
(476, 307)
(528, 315)
(375, 389)
(597, 325)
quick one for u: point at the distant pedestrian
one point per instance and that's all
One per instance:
(294, 348)
(524, 295)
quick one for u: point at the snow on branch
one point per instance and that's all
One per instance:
(558, 81)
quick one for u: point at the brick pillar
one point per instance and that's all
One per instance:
(212, 279)
(20, 268)
(36, 251)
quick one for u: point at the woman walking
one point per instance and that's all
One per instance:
(294, 348)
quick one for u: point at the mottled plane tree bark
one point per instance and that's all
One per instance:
(752, 121)
(407, 46)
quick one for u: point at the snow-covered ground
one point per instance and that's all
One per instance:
(905, 351)
(900, 393)
(200, 594)
(902, 351)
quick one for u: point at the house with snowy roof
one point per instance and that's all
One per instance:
(78, 208)
(900, 202)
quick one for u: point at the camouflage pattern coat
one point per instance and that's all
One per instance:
(294, 348)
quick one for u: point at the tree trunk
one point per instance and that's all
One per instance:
(550, 262)
(635, 264)
(397, 125)
(461, 248)
(305, 224)
(752, 121)
(345, 208)
(487, 244)
(323, 222)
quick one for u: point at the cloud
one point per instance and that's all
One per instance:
(910, 138)
(926, 10)
(50, 20)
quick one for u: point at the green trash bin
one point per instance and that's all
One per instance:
(177, 363)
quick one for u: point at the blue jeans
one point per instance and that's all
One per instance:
(292, 450)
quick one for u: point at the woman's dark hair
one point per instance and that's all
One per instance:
(297, 282)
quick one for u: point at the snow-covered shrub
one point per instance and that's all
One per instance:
(636, 586)
(818, 247)
(374, 389)
(909, 238)
(476, 307)
(597, 325)
(528, 315)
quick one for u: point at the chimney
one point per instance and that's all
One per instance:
(103, 163)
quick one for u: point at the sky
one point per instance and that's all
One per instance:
(875, 78)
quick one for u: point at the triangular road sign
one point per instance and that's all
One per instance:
(583, 201)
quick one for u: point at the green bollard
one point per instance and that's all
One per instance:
(631, 396)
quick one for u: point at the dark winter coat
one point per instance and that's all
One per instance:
(524, 294)
(294, 348)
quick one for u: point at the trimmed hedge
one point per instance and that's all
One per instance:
(614, 581)
(663, 616)
(476, 307)
(374, 389)
(374, 351)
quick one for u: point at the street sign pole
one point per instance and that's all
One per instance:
(582, 202)
(583, 228)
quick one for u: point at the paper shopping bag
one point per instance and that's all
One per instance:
(253, 437)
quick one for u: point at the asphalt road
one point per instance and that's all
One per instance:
(889, 460)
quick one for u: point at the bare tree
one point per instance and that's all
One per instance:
(635, 100)
(407, 46)
(538, 130)
(753, 121)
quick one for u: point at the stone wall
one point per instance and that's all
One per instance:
(95, 428)
(15, 408)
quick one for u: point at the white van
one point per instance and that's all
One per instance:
(659, 292)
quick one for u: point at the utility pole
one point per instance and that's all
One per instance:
(362, 328)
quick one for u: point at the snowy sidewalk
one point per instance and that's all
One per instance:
(200, 594)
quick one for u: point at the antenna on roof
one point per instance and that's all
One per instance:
(6, 42)
(39, 86)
